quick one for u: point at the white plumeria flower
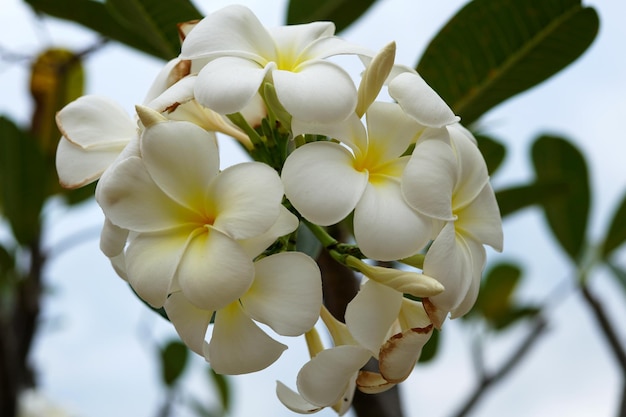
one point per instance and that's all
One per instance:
(95, 131)
(192, 227)
(286, 295)
(171, 94)
(447, 160)
(325, 181)
(240, 53)
(380, 323)
(329, 378)
(393, 328)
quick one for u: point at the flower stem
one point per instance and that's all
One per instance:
(241, 122)
(322, 235)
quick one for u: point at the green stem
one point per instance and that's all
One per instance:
(322, 235)
(416, 261)
(241, 122)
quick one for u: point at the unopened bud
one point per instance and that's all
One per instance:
(406, 282)
(149, 116)
(374, 77)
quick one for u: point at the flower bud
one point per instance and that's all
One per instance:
(149, 116)
(374, 77)
(406, 282)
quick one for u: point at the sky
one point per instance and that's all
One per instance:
(96, 350)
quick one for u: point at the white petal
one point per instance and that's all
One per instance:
(385, 227)
(238, 345)
(286, 223)
(190, 322)
(324, 379)
(214, 270)
(370, 314)
(171, 73)
(234, 31)
(412, 314)
(131, 200)
(294, 401)
(118, 263)
(481, 219)
(182, 159)
(96, 122)
(449, 261)
(325, 47)
(372, 383)
(430, 176)
(390, 130)
(400, 353)
(319, 91)
(227, 85)
(286, 293)
(321, 182)
(472, 170)
(151, 261)
(246, 198)
(350, 131)
(293, 39)
(77, 166)
(420, 101)
(177, 94)
(112, 239)
(344, 403)
(479, 258)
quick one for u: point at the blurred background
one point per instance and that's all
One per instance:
(97, 350)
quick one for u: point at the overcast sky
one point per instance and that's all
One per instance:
(96, 350)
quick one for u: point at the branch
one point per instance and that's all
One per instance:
(607, 328)
(611, 336)
(488, 380)
(18, 325)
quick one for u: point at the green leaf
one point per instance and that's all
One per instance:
(556, 159)
(7, 260)
(492, 150)
(173, 361)
(78, 195)
(616, 235)
(156, 21)
(341, 12)
(492, 50)
(95, 16)
(429, 351)
(23, 181)
(223, 388)
(497, 289)
(146, 25)
(513, 315)
(519, 197)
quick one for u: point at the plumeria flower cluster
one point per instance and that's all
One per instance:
(217, 248)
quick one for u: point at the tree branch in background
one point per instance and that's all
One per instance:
(611, 336)
(489, 379)
(18, 325)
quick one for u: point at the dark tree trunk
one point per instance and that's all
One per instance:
(19, 313)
